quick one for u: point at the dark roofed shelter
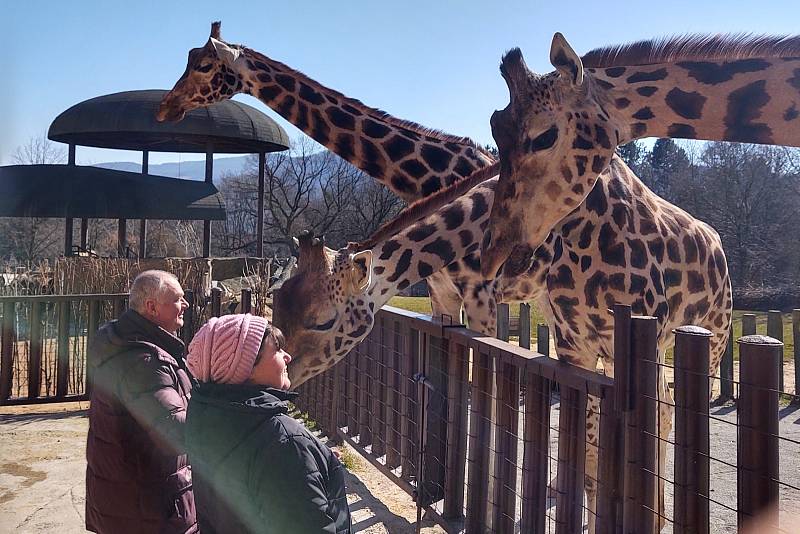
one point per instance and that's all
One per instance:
(127, 121)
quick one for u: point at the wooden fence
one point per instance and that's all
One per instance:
(470, 427)
(45, 340)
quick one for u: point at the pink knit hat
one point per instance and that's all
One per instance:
(224, 350)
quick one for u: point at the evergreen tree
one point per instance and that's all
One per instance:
(668, 163)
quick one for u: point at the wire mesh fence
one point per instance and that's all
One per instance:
(475, 431)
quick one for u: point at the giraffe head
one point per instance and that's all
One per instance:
(323, 309)
(212, 74)
(554, 138)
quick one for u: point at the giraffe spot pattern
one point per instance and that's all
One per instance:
(398, 148)
(437, 158)
(647, 91)
(341, 119)
(744, 106)
(710, 73)
(652, 76)
(682, 131)
(374, 129)
(688, 105)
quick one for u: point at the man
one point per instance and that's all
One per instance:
(137, 476)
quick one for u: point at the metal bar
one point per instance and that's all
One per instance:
(62, 369)
(644, 348)
(35, 340)
(435, 429)
(262, 163)
(7, 349)
(479, 432)
(758, 472)
(571, 461)
(525, 325)
(457, 405)
(536, 439)
(505, 447)
(691, 430)
(775, 331)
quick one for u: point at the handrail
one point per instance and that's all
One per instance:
(60, 298)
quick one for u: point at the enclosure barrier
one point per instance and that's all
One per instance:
(470, 427)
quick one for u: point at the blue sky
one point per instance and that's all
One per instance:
(434, 62)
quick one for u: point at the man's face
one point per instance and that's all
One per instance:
(167, 309)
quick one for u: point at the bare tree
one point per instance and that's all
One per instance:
(28, 239)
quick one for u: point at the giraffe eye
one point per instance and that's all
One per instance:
(204, 68)
(543, 141)
(324, 326)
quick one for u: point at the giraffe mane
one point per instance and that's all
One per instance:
(378, 113)
(426, 206)
(693, 47)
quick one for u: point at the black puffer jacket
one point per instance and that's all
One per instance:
(258, 470)
(138, 479)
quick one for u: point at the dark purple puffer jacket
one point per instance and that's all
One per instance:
(138, 479)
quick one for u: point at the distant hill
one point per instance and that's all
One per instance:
(193, 170)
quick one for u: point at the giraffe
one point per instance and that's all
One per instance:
(561, 129)
(569, 282)
(329, 305)
(409, 159)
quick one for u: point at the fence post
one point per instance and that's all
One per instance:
(775, 331)
(571, 460)
(479, 432)
(92, 325)
(543, 339)
(503, 320)
(457, 406)
(757, 439)
(726, 371)
(691, 430)
(796, 343)
(62, 369)
(7, 350)
(35, 340)
(525, 325)
(536, 438)
(247, 300)
(505, 447)
(188, 317)
(216, 302)
(644, 348)
(748, 325)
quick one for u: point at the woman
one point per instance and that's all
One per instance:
(255, 468)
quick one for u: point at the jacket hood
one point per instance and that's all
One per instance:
(133, 331)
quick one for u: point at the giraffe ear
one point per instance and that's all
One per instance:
(361, 270)
(225, 52)
(565, 60)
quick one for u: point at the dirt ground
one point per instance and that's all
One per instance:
(42, 469)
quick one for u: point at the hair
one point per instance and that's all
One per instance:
(693, 48)
(276, 335)
(148, 285)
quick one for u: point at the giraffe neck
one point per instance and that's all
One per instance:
(754, 100)
(409, 159)
(452, 233)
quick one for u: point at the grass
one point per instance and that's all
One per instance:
(423, 305)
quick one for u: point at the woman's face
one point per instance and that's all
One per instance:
(271, 367)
